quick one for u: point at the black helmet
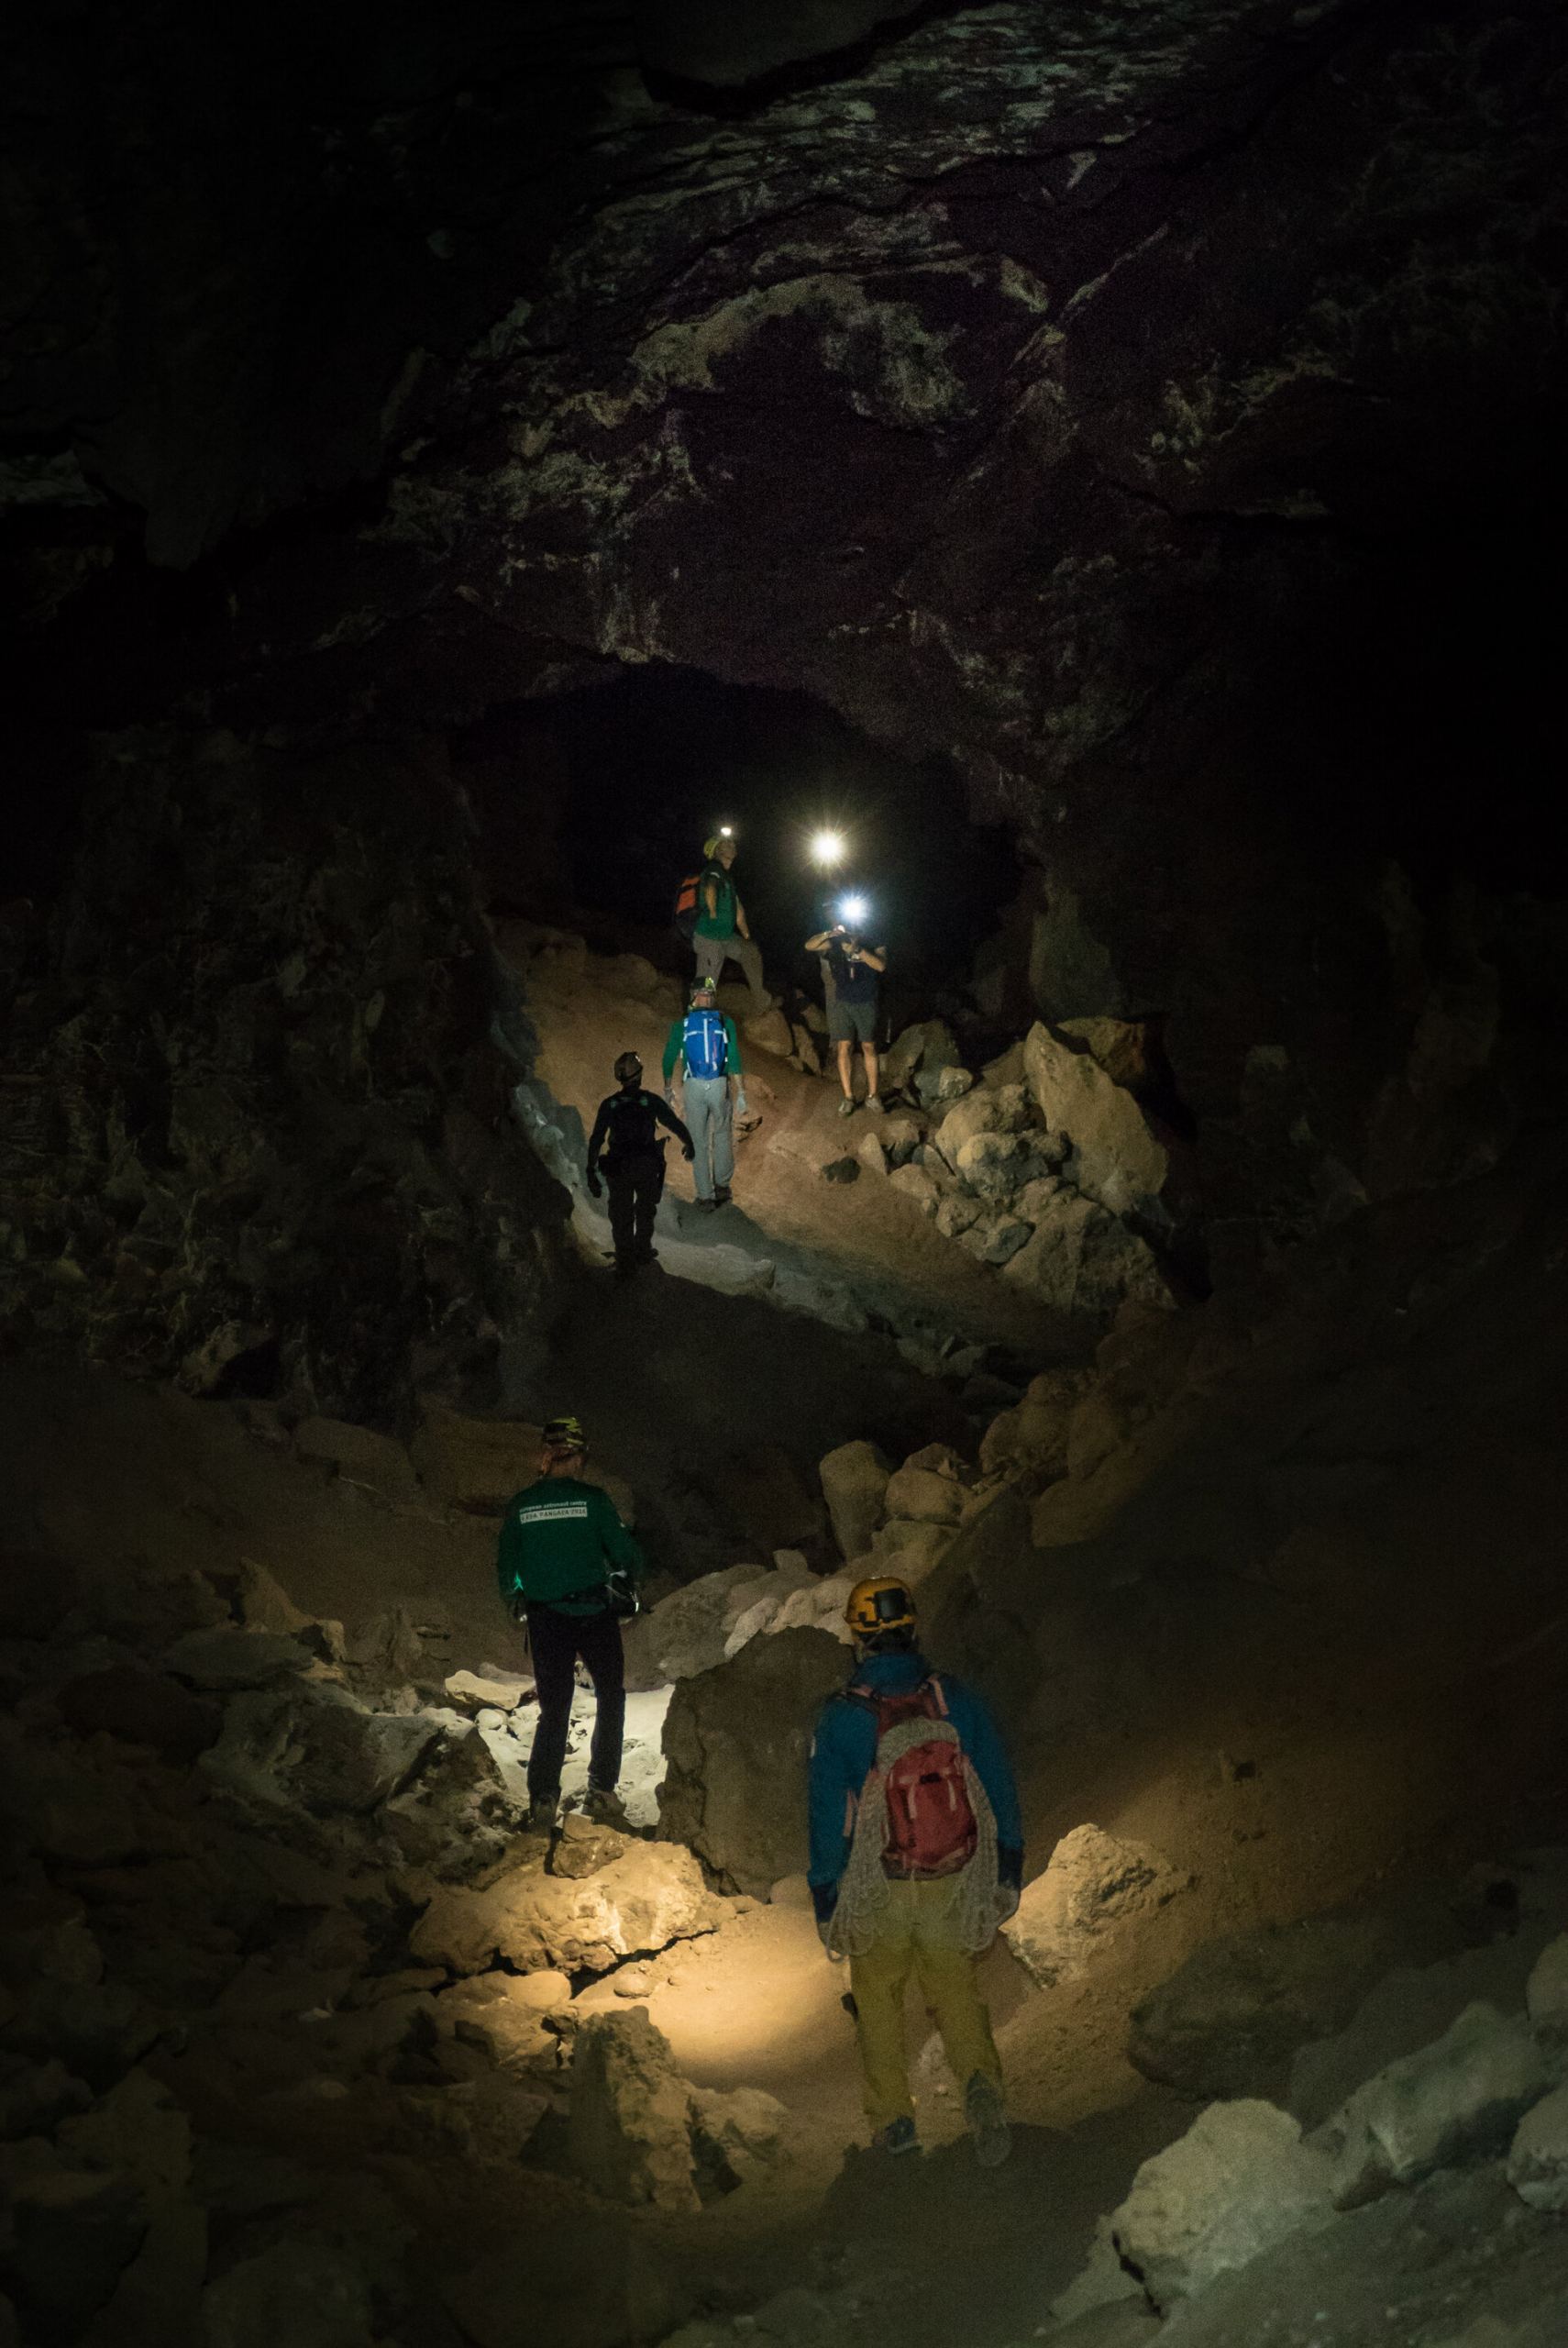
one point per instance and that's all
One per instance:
(628, 1068)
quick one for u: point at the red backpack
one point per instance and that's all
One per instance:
(686, 905)
(930, 1823)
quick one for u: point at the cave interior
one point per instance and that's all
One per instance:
(1106, 462)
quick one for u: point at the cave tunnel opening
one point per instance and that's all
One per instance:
(594, 806)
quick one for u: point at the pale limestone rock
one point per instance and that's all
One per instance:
(654, 1894)
(854, 1484)
(1538, 2158)
(1460, 2097)
(1095, 1890)
(1240, 2181)
(636, 2126)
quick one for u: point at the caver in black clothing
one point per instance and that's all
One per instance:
(625, 1137)
(556, 1641)
(636, 1185)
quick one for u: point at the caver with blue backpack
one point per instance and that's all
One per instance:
(704, 1046)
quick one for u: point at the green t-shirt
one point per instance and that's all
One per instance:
(559, 1540)
(721, 921)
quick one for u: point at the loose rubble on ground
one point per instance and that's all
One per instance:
(1047, 1165)
(300, 2026)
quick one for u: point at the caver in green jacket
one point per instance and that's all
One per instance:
(559, 1541)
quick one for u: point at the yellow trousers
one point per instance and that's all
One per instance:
(911, 1942)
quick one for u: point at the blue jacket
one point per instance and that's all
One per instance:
(844, 1752)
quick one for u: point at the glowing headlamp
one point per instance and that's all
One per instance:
(726, 831)
(853, 909)
(827, 849)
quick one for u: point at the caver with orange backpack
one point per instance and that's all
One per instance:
(917, 1855)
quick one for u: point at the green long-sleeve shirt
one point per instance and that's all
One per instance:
(559, 1540)
(676, 1045)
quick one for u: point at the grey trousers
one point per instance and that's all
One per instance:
(706, 1102)
(713, 953)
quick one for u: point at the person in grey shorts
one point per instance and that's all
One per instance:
(704, 1048)
(851, 974)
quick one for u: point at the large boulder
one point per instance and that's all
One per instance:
(1080, 1260)
(735, 1742)
(687, 1632)
(855, 1483)
(918, 1058)
(1538, 2157)
(1096, 1892)
(1461, 2097)
(1230, 2020)
(314, 1747)
(650, 1896)
(638, 2132)
(927, 1489)
(1117, 1160)
(1239, 2182)
(1028, 1444)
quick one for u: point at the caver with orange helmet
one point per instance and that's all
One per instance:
(917, 1855)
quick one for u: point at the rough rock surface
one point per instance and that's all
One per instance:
(1538, 2157)
(735, 1742)
(1097, 563)
(855, 1482)
(653, 1894)
(1095, 1891)
(1116, 1159)
(1228, 2023)
(1459, 2098)
(1239, 2182)
(638, 2132)
(237, 1038)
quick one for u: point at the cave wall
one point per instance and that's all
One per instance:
(256, 1070)
(1154, 408)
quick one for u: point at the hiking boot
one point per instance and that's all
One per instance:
(722, 1195)
(987, 2122)
(707, 1205)
(541, 1816)
(875, 1104)
(646, 1256)
(898, 2136)
(846, 1108)
(604, 1807)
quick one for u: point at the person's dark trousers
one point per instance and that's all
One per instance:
(556, 1641)
(636, 1184)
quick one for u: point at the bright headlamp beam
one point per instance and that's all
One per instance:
(827, 847)
(853, 909)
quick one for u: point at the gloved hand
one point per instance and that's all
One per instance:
(690, 1152)
(594, 1185)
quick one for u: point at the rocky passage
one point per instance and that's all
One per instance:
(1145, 418)
(288, 1984)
